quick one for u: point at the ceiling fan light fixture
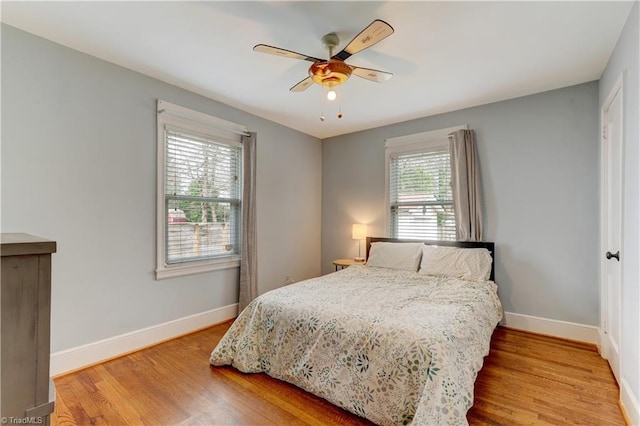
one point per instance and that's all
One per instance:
(330, 73)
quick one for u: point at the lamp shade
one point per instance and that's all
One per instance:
(359, 231)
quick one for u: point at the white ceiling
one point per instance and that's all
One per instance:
(444, 55)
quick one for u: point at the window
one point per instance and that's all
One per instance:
(199, 192)
(419, 195)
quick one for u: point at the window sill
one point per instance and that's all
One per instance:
(191, 268)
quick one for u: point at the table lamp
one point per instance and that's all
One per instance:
(359, 232)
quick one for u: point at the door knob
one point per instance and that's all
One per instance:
(616, 255)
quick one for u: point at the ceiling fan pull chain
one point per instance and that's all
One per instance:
(322, 117)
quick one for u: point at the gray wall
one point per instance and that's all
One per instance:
(539, 169)
(626, 58)
(79, 167)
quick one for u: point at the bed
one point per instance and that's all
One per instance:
(388, 342)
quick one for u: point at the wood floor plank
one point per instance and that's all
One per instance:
(63, 414)
(97, 412)
(526, 379)
(119, 396)
(315, 407)
(150, 399)
(71, 410)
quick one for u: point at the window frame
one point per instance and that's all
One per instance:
(225, 132)
(429, 141)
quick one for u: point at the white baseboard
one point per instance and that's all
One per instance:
(629, 403)
(563, 329)
(83, 356)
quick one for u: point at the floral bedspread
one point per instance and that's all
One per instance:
(395, 347)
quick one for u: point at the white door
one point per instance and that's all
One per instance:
(611, 223)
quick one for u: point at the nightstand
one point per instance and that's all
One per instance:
(343, 263)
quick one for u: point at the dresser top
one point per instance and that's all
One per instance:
(16, 244)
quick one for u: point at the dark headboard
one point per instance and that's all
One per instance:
(464, 244)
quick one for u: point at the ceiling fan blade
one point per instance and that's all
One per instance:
(376, 31)
(302, 85)
(373, 75)
(283, 52)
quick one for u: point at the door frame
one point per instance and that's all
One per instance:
(617, 89)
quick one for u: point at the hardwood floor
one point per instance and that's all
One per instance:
(526, 379)
(533, 379)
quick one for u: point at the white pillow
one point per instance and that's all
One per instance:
(404, 256)
(471, 264)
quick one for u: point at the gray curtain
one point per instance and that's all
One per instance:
(465, 181)
(248, 261)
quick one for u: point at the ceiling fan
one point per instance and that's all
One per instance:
(334, 71)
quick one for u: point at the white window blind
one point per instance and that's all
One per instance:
(420, 196)
(419, 193)
(199, 192)
(202, 197)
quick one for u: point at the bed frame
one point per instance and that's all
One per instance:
(463, 244)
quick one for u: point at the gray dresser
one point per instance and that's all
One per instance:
(26, 393)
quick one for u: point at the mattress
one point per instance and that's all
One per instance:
(395, 347)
